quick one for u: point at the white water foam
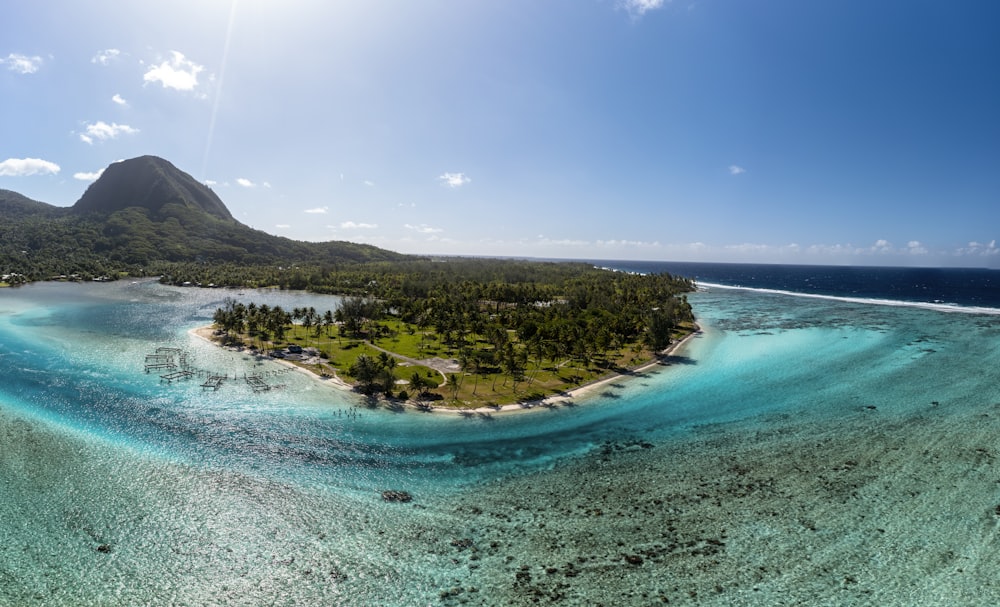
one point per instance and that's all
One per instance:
(936, 306)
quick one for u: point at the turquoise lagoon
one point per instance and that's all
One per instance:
(800, 450)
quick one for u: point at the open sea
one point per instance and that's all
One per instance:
(829, 438)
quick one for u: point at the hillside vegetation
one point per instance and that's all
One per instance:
(140, 218)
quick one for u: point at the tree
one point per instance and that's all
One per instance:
(353, 312)
(308, 318)
(386, 380)
(660, 329)
(454, 384)
(366, 370)
(418, 383)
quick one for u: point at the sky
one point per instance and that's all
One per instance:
(845, 132)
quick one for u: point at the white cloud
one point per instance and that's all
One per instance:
(119, 100)
(317, 210)
(638, 8)
(103, 131)
(88, 176)
(21, 167)
(22, 64)
(749, 247)
(882, 246)
(881, 250)
(266, 185)
(736, 170)
(369, 183)
(423, 229)
(980, 249)
(454, 180)
(282, 226)
(106, 56)
(350, 225)
(211, 182)
(638, 244)
(179, 73)
(563, 242)
(246, 183)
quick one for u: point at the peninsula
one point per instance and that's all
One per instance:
(464, 343)
(309, 361)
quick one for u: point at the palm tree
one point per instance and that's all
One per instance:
(386, 361)
(366, 370)
(418, 383)
(386, 380)
(307, 319)
(453, 383)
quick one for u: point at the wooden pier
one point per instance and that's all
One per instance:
(176, 375)
(213, 382)
(257, 383)
(167, 359)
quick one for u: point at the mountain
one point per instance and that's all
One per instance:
(16, 206)
(151, 183)
(143, 213)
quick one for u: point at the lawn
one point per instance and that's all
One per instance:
(470, 388)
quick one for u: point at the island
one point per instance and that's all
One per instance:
(444, 336)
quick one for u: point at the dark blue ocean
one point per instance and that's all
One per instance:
(828, 438)
(969, 287)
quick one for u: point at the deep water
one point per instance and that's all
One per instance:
(802, 450)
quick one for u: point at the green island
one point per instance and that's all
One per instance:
(436, 332)
(470, 333)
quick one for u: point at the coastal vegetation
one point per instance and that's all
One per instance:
(472, 332)
(462, 331)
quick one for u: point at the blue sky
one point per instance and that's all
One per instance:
(848, 132)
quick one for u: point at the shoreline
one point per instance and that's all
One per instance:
(206, 333)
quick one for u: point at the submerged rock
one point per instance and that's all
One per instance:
(391, 495)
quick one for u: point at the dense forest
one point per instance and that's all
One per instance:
(509, 320)
(129, 242)
(139, 218)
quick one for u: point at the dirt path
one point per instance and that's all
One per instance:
(442, 366)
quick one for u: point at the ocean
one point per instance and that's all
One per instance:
(829, 438)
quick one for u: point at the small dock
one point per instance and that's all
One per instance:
(176, 375)
(167, 359)
(257, 383)
(214, 382)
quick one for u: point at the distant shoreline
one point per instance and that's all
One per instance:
(207, 334)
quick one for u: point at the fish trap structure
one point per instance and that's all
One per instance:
(257, 383)
(174, 366)
(173, 361)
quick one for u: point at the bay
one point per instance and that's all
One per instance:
(828, 450)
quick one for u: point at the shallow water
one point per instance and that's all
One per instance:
(800, 450)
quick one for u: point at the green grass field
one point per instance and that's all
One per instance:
(416, 350)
